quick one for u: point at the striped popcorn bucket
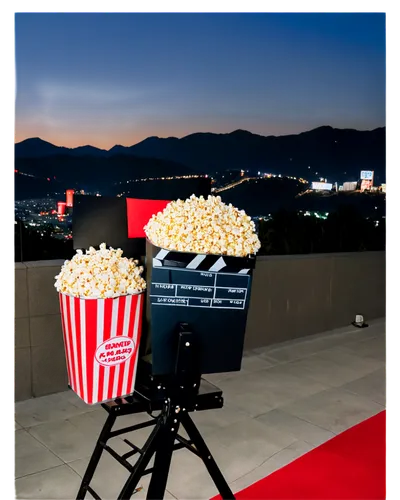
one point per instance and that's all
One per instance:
(101, 339)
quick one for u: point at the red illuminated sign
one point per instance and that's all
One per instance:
(61, 207)
(70, 197)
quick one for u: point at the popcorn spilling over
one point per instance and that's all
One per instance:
(203, 226)
(100, 274)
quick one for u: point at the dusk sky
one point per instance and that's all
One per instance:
(106, 79)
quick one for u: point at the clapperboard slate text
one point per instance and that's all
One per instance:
(191, 288)
(213, 299)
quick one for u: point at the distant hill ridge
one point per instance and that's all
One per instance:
(329, 152)
(35, 146)
(56, 173)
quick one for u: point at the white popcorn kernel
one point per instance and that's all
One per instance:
(203, 226)
(100, 274)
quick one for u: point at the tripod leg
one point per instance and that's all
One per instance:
(162, 461)
(209, 462)
(94, 460)
(148, 450)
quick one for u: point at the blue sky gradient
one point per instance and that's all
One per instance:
(106, 79)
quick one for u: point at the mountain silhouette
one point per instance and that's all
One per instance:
(335, 154)
(38, 148)
(338, 154)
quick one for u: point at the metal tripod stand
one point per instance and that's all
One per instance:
(175, 397)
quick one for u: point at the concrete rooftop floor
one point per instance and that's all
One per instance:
(287, 399)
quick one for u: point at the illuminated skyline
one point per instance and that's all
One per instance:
(106, 79)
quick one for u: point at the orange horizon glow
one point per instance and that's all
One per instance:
(76, 138)
(130, 135)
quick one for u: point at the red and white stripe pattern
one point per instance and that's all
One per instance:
(88, 323)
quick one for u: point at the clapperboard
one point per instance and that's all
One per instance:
(209, 292)
(203, 281)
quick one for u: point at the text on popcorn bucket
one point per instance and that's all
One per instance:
(111, 353)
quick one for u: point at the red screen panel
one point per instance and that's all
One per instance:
(139, 213)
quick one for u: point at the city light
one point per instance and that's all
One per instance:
(314, 213)
(41, 215)
(149, 179)
(247, 179)
(172, 177)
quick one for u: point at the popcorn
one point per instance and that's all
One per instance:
(206, 226)
(100, 274)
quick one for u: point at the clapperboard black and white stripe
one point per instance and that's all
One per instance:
(202, 262)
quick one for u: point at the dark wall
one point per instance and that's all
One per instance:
(298, 295)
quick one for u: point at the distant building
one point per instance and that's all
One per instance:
(322, 186)
(349, 186)
(383, 187)
(61, 207)
(367, 180)
(69, 198)
(366, 185)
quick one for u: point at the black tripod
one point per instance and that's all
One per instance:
(175, 396)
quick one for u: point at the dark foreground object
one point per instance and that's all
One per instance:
(174, 397)
(359, 325)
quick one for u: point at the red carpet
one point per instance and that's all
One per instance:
(349, 466)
